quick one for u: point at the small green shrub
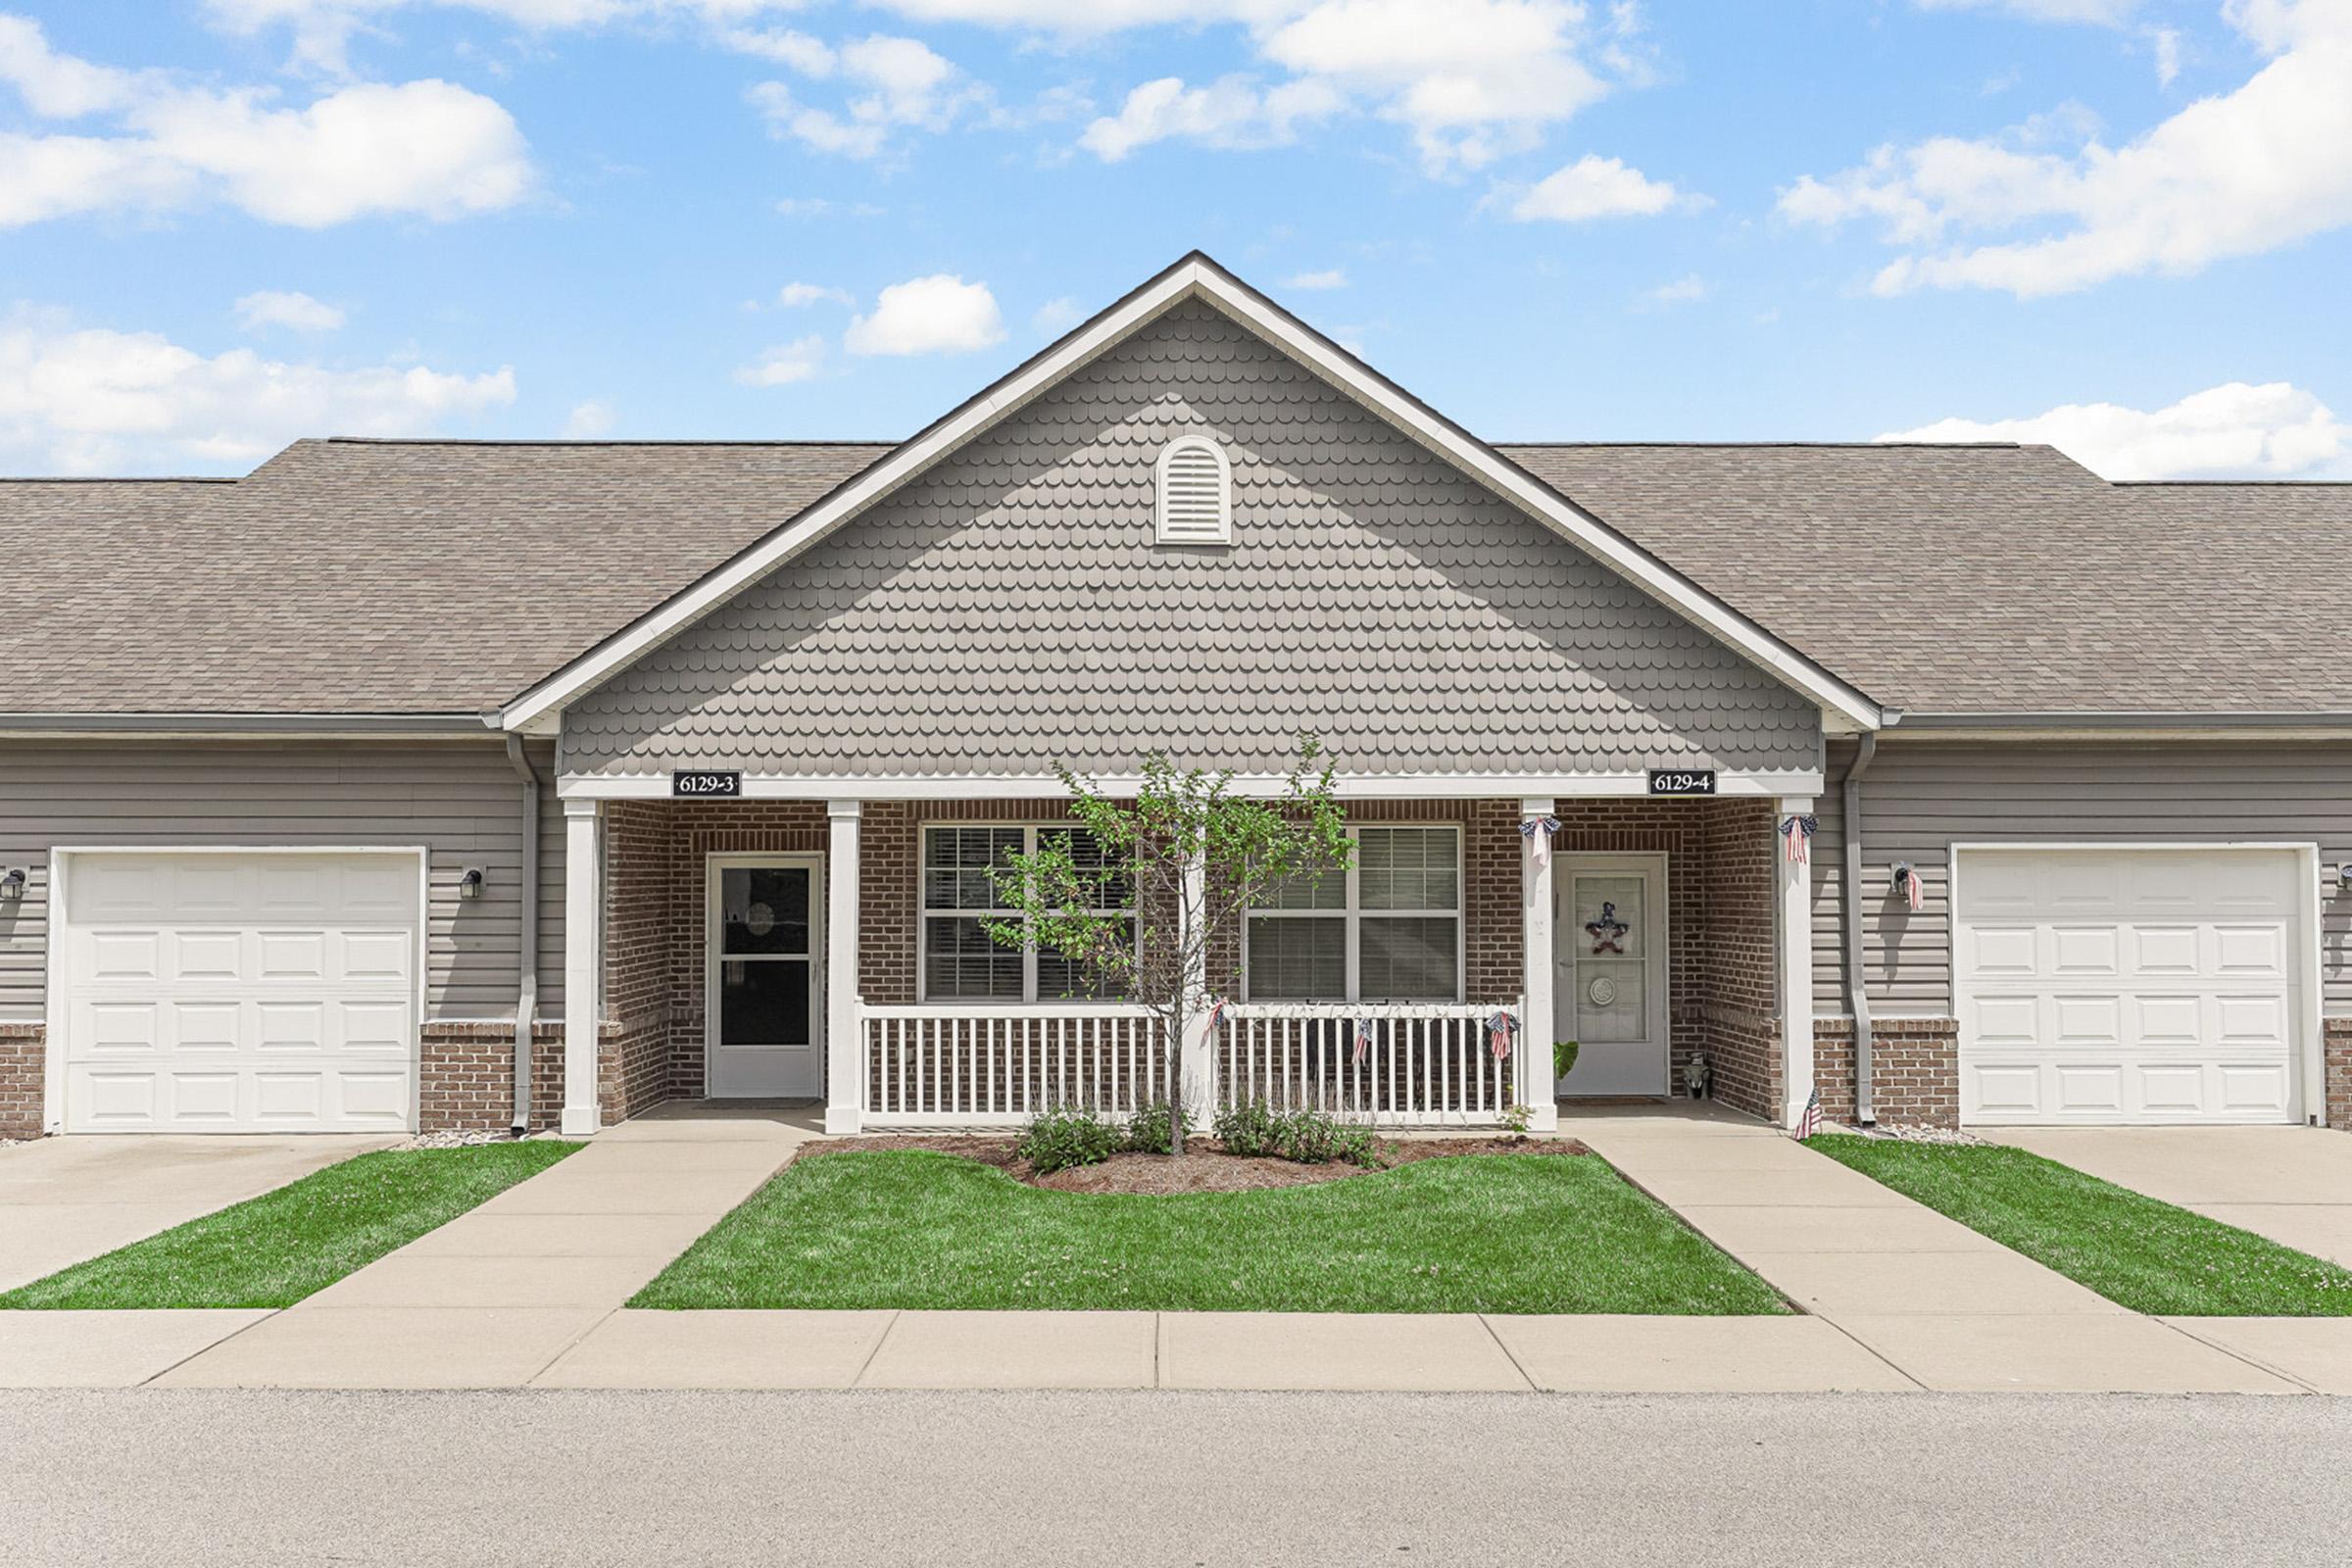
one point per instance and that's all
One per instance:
(1312, 1137)
(1148, 1128)
(1247, 1129)
(1068, 1136)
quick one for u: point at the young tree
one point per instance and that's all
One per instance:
(1143, 897)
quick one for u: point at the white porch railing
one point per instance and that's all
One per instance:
(1000, 1064)
(1390, 1064)
(1418, 1065)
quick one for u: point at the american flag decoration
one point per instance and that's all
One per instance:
(1906, 877)
(1798, 831)
(1500, 1028)
(1363, 1039)
(1809, 1122)
(1537, 831)
(1216, 1015)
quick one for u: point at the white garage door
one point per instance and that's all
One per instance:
(2129, 985)
(240, 992)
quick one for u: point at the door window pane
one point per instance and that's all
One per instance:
(1406, 959)
(1296, 958)
(763, 909)
(763, 1002)
(1613, 999)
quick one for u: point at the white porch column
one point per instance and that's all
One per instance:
(583, 949)
(844, 1028)
(1192, 1057)
(1533, 1070)
(1795, 924)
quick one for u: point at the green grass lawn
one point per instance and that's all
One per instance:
(2137, 1252)
(1491, 1233)
(274, 1250)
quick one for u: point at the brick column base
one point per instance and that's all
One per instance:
(1914, 1069)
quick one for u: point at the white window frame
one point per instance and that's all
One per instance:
(924, 914)
(1355, 915)
(1161, 533)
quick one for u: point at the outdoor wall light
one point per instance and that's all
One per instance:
(2343, 875)
(469, 886)
(11, 883)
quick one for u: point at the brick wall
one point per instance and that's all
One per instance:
(23, 1058)
(1914, 1070)
(2336, 1037)
(465, 1076)
(1738, 1001)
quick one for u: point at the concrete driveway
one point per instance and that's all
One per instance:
(64, 1199)
(2290, 1184)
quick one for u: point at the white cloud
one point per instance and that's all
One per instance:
(1594, 187)
(798, 361)
(1471, 79)
(1330, 278)
(2232, 431)
(2235, 174)
(1230, 112)
(937, 315)
(287, 307)
(897, 84)
(1056, 316)
(2165, 43)
(1682, 291)
(86, 400)
(820, 207)
(588, 421)
(792, 296)
(427, 148)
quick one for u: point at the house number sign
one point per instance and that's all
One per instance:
(1682, 781)
(706, 785)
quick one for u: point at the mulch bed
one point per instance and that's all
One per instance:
(1202, 1167)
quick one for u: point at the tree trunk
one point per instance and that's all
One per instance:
(1176, 1083)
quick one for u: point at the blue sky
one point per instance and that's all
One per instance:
(2121, 225)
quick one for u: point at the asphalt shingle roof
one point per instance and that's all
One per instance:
(443, 576)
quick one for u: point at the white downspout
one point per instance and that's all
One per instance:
(527, 999)
(1857, 989)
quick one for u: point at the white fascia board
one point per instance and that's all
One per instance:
(1044, 786)
(1197, 276)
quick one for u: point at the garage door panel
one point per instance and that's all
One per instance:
(240, 992)
(2084, 949)
(2129, 985)
(2156, 949)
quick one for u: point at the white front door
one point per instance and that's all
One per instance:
(1609, 971)
(2129, 985)
(240, 991)
(765, 1016)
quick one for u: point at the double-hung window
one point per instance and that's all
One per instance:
(1389, 930)
(958, 960)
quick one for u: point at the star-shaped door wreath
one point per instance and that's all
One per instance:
(1608, 932)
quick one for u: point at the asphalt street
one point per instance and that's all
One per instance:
(644, 1479)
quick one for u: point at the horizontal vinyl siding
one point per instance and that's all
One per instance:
(1921, 797)
(462, 803)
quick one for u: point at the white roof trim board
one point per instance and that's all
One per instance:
(1196, 276)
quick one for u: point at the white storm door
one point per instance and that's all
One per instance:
(240, 991)
(765, 1011)
(1609, 981)
(2129, 985)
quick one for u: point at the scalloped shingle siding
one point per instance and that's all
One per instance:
(1008, 608)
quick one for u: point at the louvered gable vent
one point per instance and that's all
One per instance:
(1195, 500)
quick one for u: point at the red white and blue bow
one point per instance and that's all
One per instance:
(1363, 1039)
(1539, 831)
(1216, 1015)
(1502, 1028)
(1798, 831)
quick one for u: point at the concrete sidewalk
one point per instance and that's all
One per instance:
(1950, 1308)
(2290, 1184)
(489, 1299)
(63, 1200)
